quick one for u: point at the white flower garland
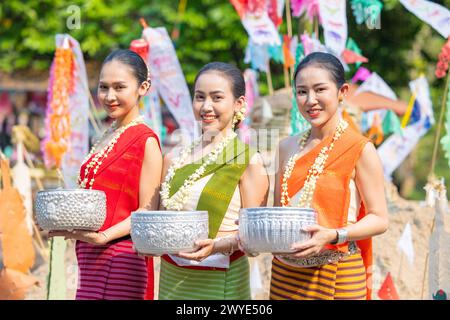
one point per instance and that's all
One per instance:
(177, 201)
(313, 173)
(97, 160)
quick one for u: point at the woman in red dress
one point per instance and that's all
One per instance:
(126, 164)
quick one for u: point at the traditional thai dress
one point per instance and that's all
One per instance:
(114, 270)
(218, 277)
(338, 204)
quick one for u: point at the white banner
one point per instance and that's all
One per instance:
(397, 147)
(422, 90)
(432, 13)
(374, 83)
(261, 29)
(168, 78)
(79, 111)
(334, 23)
(405, 244)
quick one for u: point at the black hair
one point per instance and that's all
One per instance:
(131, 59)
(325, 61)
(230, 72)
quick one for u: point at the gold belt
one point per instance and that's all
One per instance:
(325, 257)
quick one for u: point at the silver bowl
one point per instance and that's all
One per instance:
(167, 232)
(274, 229)
(65, 209)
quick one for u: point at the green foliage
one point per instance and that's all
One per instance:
(211, 30)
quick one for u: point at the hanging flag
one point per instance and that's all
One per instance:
(444, 58)
(275, 10)
(374, 83)
(439, 250)
(397, 147)
(361, 74)
(391, 124)
(432, 13)
(375, 132)
(257, 56)
(78, 104)
(314, 45)
(352, 57)
(405, 244)
(255, 18)
(289, 60)
(311, 7)
(334, 23)
(423, 107)
(168, 79)
(387, 290)
(367, 11)
(275, 52)
(349, 119)
(368, 117)
(353, 46)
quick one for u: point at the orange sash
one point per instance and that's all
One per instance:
(332, 194)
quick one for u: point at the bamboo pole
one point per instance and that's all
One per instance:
(289, 30)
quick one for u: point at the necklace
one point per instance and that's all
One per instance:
(94, 164)
(316, 169)
(177, 201)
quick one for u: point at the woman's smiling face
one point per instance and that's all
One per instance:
(214, 103)
(317, 95)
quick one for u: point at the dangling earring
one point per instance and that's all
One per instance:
(239, 116)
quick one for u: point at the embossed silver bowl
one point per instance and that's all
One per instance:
(163, 232)
(274, 229)
(65, 209)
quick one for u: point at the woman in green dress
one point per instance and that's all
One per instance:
(220, 174)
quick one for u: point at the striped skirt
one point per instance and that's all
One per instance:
(344, 280)
(110, 272)
(178, 283)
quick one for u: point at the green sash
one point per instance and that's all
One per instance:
(218, 192)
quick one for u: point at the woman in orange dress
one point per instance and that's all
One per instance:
(336, 171)
(126, 164)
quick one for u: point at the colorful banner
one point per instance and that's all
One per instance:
(432, 13)
(334, 23)
(361, 74)
(374, 83)
(258, 56)
(79, 111)
(169, 80)
(423, 108)
(310, 6)
(397, 147)
(261, 29)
